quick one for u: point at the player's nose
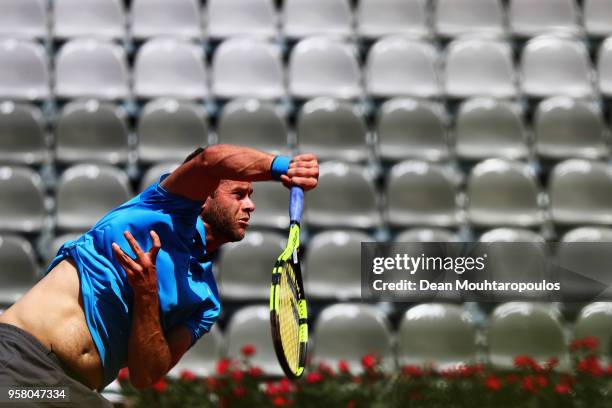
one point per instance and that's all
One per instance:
(248, 205)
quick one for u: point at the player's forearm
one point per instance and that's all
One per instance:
(148, 353)
(235, 163)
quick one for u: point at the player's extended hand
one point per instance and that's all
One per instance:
(141, 272)
(303, 172)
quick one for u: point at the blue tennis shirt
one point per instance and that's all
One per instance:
(187, 289)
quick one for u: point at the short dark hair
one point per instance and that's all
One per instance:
(194, 154)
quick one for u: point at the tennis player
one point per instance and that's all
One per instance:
(137, 289)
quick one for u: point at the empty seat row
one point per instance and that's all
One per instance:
(318, 66)
(300, 18)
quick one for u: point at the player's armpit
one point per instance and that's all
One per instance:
(179, 340)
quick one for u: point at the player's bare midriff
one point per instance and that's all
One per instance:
(53, 313)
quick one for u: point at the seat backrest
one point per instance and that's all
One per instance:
(202, 358)
(180, 18)
(89, 18)
(530, 18)
(22, 134)
(271, 203)
(227, 18)
(302, 18)
(604, 67)
(595, 320)
(597, 15)
(19, 270)
(458, 17)
(377, 18)
(153, 174)
(22, 202)
(24, 19)
(25, 70)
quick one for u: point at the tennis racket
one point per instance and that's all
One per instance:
(288, 312)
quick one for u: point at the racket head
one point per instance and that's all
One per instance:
(289, 316)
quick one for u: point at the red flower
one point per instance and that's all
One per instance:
(255, 372)
(563, 389)
(529, 384)
(237, 375)
(284, 386)
(271, 389)
(412, 371)
(280, 401)
(343, 367)
(239, 391)
(368, 361)
(124, 374)
(187, 375)
(326, 369)
(161, 385)
(248, 350)
(542, 381)
(591, 365)
(314, 377)
(223, 365)
(351, 404)
(525, 362)
(212, 383)
(587, 343)
(551, 363)
(493, 383)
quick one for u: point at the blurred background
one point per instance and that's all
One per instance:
(434, 120)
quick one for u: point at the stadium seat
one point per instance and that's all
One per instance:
(479, 67)
(320, 66)
(170, 67)
(553, 66)
(378, 18)
(454, 18)
(202, 358)
(26, 19)
(22, 134)
(597, 16)
(566, 127)
(604, 67)
(332, 129)
(486, 127)
(345, 197)
(90, 131)
(530, 18)
(91, 68)
(169, 130)
(581, 192)
(254, 123)
(89, 18)
(247, 67)
(86, 192)
(367, 328)
(435, 333)
(152, 18)
(411, 129)
(503, 193)
(399, 66)
(595, 320)
(245, 267)
(19, 271)
(303, 18)
(255, 18)
(271, 203)
(155, 172)
(420, 193)
(251, 326)
(332, 265)
(22, 202)
(426, 235)
(25, 70)
(526, 329)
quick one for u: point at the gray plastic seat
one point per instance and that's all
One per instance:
(22, 202)
(155, 172)
(86, 192)
(454, 18)
(18, 268)
(169, 130)
(420, 193)
(24, 19)
(332, 129)
(321, 66)
(202, 358)
(303, 18)
(89, 18)
(152, 18)
(597, 16)
(251, 326)
(435, 333)
(91, 68)
(426, 235)
(247, 67)
(378, 18)
(604, 67)
(581, 192)
(400, 66)
(503, 193)
(255, 18)
(345, 197)
(23, 139)
(530, 18)
(523, 328)
(90, 131)
(566, 127)
(254, 123)
(332, 266)
(553, 66)
(259, 251)
(479, 67)
(595, 320)
(349, 331)
(170, 67)
(486, 127)
(271, 205)
(25, 70)
(411, 129)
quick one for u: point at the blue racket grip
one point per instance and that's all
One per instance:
(296, 204)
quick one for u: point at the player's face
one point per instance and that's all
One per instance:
(228, 210)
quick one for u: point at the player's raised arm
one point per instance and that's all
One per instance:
(198, 178)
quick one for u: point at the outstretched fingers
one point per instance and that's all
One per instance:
(125, 261)
(155, 247)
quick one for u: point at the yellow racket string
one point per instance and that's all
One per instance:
(288, 317)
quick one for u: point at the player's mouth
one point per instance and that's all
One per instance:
(244, 222)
